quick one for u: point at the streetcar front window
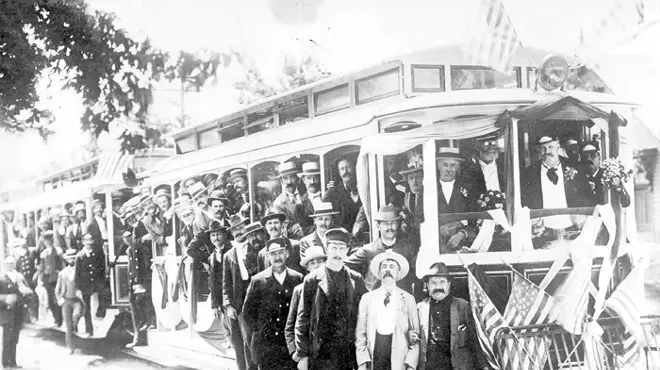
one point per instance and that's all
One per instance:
(479, 78)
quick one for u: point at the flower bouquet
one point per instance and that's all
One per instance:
(614, 173)
(491, 199)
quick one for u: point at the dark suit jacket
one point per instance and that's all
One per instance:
(293, 262)
(290, 327)
(92, 227)
(458, 202)
(313, 311)
(474, 176)
(341, 201)
(10, 315)
(265, 310)
(233, 285)
(577, 190)
(600, 190)
(90, 270)
(215, 280)
(394, 195)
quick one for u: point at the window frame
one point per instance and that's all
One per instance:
(359, 101)
(316, 94)
(443, 77)
(516, 69)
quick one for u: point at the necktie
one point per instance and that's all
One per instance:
(552, 175)
(386, 301)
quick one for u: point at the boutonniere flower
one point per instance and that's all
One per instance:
(464, 192)
(570, 172)
(592, 185)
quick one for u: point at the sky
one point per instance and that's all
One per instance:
(343, 34)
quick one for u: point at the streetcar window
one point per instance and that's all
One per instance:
(332, 99)
(293, 110)
(479, 78)
(186, 145)
(208, 138)
(379, 86)
(266, 188)
(403, 178)
(428, 78)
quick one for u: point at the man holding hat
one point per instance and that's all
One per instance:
(50, 264)
(453, 196)
(69, 297)
(486, 172)
(324, 217)
(266, 308)
(387, 319)
(448, 335)
(239, 265)
(327, 313)
(591, 157)
(387, 220)
(314, 258)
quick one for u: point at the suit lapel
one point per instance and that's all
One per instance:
(453, 322)
(323, 281)
(424, 317)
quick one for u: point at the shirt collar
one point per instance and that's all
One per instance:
(447, 183)
(487, 165)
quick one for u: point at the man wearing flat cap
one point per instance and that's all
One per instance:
(592, 158)
(239, 264)
(266, 308)
(387, 220)
(314, 258)
(274, 223)
(448, 335)
(387, 319)
(453, 197)
(327, 313)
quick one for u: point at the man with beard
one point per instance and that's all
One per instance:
(387, 220)
(239, 265)
(592, 158)
(313, 259)
(273, 221)
(453, 197)
(448, 334)
(387, 318)
(327, 313)
(97, 225)
(218, 236)
(323, 219)
(554, 182)
(266, 307)
(487, 170)
(344, 194)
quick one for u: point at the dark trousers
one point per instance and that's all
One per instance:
(335, 355)
(10, 334)
(277, 358)
(383, 352)
(241, 346)
(55, 308)
(140, 315)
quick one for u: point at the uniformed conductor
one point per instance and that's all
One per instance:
(266, 308)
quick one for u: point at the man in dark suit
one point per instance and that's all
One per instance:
(395, 184)
(344, 195)
(218, 236)
(323, 217)
(591, 157)
(239, 265)
(266, 308)
(453, 197)
(11, 311)
(327, 313)
(273, 222)
(90, 277)
(486, 172)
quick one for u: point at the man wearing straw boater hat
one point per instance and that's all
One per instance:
(327, 313)
(324, 217)
(486, 171)
(314, 258)
(387, 318)
(69, 297)
(453, 196)
(273, 222)
(266, 308)
(448, 334)
(311, 178)
(239, 265)
(387, 220)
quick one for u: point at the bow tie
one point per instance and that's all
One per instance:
(552, 175)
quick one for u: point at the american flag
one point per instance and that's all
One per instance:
(493, 39)
(573, 296)
(487, 317)
(528, 305)
(623, 302)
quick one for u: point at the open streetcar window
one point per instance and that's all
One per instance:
(266, 185)
(479, 78)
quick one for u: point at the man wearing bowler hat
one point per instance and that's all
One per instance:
(314, 258)
(266, 308)
(324, 217)
(387, 220)
(454, 196)
(273, 222)
(327, 313)
(239, 264)
(448, 337)
(387, 319)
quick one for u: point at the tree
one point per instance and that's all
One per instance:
(111, 71)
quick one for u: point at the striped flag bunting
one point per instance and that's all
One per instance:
(487, 318)
(623, 303)
(493, 39)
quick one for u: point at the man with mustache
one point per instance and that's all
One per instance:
(591, 157)
(555, 182)
(290, 201)
(327, 313)
(323, 220)
(486, 172)
(448, 335)
(239, 265)
(344, 194)
(273, 221)
(311, 178)
(413, 201)
(387, 320)
(266, 308)
(387, 220)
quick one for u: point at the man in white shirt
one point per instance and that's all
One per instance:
(486, 172)
(387, 318)
(323, 220)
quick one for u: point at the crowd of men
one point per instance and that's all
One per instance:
(296, 288)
